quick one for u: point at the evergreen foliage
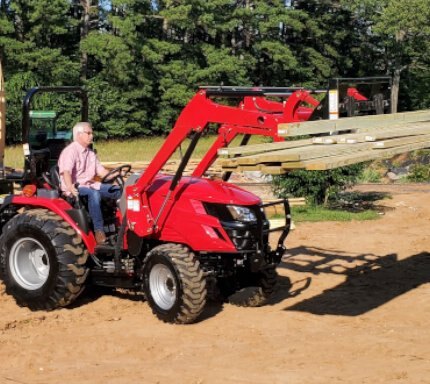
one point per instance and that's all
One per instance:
(142, 60)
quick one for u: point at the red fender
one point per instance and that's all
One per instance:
(60, 207)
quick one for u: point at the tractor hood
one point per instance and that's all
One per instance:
(211, 191)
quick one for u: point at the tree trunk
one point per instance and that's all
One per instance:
(85, 28)
(2, 120)
(395, 90)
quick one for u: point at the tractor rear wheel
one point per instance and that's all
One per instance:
(43, 260)
(174, 284)
(257, 288)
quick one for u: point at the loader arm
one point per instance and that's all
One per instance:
(291, 110)
(195, 117)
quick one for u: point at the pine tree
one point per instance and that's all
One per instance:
(120, 86)
(400, 33)
(34, 44)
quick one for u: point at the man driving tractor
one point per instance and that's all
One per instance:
(78, 166)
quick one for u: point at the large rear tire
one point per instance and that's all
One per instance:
(174, 284)
(257, 288)
(43, 260)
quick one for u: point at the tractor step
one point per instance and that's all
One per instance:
(106, 279)
(104, 250)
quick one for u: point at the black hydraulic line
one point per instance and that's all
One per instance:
(334, 82)
(239, 92)
(179, 172)
(119, 245)
(185, 160)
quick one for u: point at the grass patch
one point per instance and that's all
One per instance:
(139, 149)
(318, 213)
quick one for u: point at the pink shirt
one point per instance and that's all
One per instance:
(82, 163)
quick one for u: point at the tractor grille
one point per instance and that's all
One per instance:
(247, 237)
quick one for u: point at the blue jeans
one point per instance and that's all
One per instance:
(107, 191)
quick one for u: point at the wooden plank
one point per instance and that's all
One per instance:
(394, 131)
(341, 161)
(351, 123)
(292, 201)
(303, 153)
(411, 129)
(416, 129)
(272, 169)
(247, 168)
(261, 148)
(292, 165)
(400, 141)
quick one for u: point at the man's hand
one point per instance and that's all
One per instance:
(69, 184)
(73, 191)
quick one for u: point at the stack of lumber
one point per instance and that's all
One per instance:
(170, 167)
(333, 143)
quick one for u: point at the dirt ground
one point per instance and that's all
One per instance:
(353, 306)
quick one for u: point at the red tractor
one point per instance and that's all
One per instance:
(176, 238)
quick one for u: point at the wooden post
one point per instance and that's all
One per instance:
(2, 121)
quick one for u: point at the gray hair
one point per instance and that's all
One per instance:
(79, 128)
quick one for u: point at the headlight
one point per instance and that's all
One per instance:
(241, 213)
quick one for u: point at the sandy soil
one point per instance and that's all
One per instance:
(353, 306)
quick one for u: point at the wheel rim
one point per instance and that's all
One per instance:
(162, 285)
(29, 263)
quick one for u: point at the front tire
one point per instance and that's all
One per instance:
(257, 288)
(43, 260)
(174, 284)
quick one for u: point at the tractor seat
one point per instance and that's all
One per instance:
(53, 178)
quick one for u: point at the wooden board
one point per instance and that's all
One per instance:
(391, 143)
(297, 154)
(261, 148)
(351, 123)
(377, 141)
(251, 154)
(326, 163)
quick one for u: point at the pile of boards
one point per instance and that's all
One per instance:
(331, 144)
(169, 168)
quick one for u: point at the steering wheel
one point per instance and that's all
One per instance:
(117, 174)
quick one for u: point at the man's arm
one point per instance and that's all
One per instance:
(102, 172)
(69, 183)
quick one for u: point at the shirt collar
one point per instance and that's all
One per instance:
(81, 148)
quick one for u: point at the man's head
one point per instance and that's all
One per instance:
(83, 133)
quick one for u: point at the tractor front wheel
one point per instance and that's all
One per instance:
(174, 284)
(257, 288)
(43, 260)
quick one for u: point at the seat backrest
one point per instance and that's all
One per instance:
(54, 176)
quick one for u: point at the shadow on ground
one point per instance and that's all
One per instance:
(356, 201)
(371, 280)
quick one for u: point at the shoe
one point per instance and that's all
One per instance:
(100, 237)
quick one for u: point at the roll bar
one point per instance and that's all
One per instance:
(80, 92)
